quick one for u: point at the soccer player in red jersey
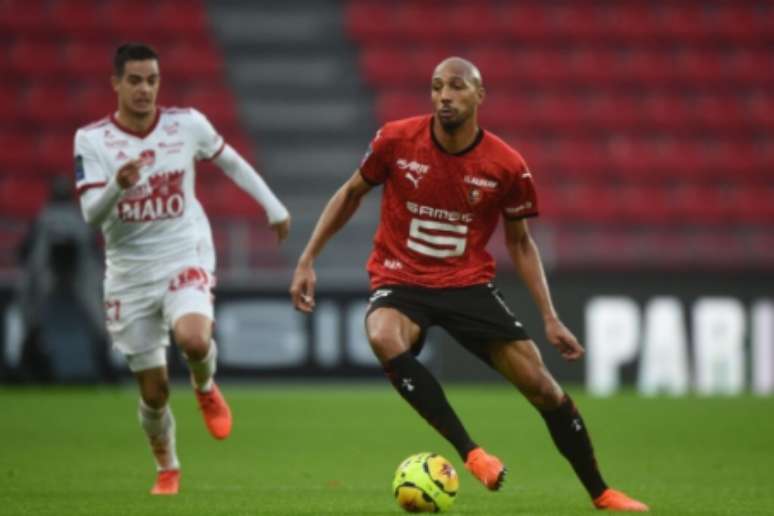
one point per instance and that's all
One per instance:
(446, 183)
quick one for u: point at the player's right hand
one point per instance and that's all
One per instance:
(302, 288)
(129, 174)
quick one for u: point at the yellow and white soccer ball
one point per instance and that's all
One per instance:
(425, 482)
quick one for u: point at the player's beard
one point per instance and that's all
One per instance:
(450, 125)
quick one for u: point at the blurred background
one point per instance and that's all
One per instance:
(647, 125)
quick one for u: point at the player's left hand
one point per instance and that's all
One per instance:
(563, 340)
(281, 228)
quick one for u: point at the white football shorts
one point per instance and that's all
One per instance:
(140, 316)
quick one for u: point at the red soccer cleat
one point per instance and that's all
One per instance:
(613, 500)
(167, 483)
(487, 468)
(217, 415)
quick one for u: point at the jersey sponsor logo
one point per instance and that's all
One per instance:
(161, 198)
(415, 171)
(438, 213)
(480, 182)
(437, 239)
(515, 210)
(79, 172)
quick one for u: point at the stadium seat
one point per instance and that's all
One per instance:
(48, 106)
(217, 104)
(95, 102)
(18, 148)
(78, 17)
(23, 17)
(35, 58)
(193, 62)
(54, 155)
(88, 60)
(183, 18)
(21, 196)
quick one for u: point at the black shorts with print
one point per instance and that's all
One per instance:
(474, 315)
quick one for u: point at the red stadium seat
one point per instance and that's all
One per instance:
(49, 106)
(370, 22)
(95, 103)
(82, 18)
(386, 67)
(392, 106)
(471, 22)
(19, 148)
(756, 206)
(10, 99)
(217, 104)
(23, 17)
(182, 18)
(88, 60)
(35, 59)
(194, 63)
(22, 196)
(55, 153)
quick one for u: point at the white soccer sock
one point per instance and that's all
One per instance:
(202, 371)
(159, 426)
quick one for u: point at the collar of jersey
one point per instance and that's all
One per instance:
(127, 130)
(473, 144)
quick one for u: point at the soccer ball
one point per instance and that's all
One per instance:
(425, 482)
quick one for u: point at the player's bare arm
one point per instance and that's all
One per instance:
(526, 258)
(336, 214)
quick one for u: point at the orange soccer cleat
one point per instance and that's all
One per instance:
(167, 483)
(613, 500)
(487, 468)
(217, 415)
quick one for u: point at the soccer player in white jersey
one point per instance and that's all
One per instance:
(135, 178)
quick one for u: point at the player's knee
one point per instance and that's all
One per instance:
(386, 343)
(546, 395)
(195, 343)
(156, 396)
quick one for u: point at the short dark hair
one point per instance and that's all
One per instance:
(132, 52)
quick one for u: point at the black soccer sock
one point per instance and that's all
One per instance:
(419, 387)
(572, 439)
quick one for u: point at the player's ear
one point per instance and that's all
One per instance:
(115, 81)
(481, 94)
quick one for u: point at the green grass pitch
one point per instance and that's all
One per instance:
(332, 450)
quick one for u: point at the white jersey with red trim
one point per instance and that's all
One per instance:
(158, 223)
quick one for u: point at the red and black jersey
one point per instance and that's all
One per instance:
(439, 210)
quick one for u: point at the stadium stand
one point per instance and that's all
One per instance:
(648, 125)
(56, 63)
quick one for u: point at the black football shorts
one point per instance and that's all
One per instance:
(474, 315)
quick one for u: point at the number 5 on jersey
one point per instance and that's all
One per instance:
(440, 246)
